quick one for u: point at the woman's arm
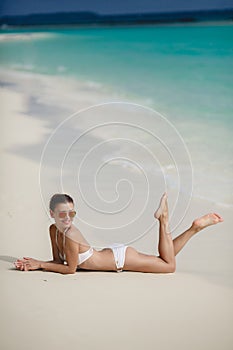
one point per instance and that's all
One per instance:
(52, 234)
(72, 251)
(26, 262)
(30, 264)
(55, 265)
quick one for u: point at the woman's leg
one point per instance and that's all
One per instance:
(197, 225)
(165, 263)
(165, 246)
(139, 262)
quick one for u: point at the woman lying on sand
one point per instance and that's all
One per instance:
(71, 251)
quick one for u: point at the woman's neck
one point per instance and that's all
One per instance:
(63, 231)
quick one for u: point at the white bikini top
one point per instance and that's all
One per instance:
(81, 257)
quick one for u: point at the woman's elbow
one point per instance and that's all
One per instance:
(69, 271)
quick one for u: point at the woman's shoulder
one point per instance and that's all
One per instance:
(75, 234)
(72, 232)
(52, 232)
(72, 229)
(52, 229)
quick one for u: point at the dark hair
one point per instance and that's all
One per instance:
(59, 198)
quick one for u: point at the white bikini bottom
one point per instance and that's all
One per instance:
(119, 255)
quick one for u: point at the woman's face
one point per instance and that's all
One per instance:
(61, 215)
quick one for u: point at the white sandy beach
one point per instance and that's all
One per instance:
(191, 309)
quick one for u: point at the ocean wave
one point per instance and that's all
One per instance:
(27, 67)
(25, 36)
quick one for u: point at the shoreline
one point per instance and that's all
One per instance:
(71, 95)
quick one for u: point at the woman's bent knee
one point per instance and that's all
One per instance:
(171, 268)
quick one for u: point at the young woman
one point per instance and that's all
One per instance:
(71, 251)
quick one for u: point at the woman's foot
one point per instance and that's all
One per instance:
(206, 220)
(162, 209)
(162, 212)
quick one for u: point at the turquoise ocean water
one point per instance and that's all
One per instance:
(183, 71)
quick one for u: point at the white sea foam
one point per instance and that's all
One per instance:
(25, 36)
(23, 67)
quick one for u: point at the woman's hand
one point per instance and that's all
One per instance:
(27, 264)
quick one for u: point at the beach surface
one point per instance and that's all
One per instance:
(191, 309)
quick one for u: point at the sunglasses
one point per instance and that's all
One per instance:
(62, 214)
